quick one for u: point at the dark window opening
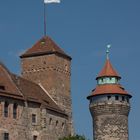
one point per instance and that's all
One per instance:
(6, 136)
(56, 123)
(34, 137)
(50, 121)
(6, 109)
(123, 98)
(15, 111)
(116, 97)
(2, 87)
(127, 100)
(108, 97)
(33, 118)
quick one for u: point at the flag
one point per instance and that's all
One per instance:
(51, 1)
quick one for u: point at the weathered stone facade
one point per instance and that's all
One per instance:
(110, 120)
(49, 125)
(37, 106)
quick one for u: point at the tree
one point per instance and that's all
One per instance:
(76, 137)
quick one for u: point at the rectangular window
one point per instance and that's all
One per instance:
(34, 137)
(6, 136)
(108, 97)
(15, 111)
(116, 97)
(123, 98)
(33, 118)
(2, 87)
(127, 100)
(6, 109)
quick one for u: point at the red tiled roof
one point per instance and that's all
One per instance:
(16, 87)
(108, 89)
(7, 86)
(108, 70)
(33, 92)
(45, 46)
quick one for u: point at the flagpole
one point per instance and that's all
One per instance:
(45, 23)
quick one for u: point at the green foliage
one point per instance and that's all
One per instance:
(76, 137)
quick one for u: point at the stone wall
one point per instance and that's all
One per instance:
(49, 125)
(110, 120)
(17, 128)
(53, 73)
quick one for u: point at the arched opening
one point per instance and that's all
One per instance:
(15, 111)
(6, 109)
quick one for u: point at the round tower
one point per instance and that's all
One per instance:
(109, 106)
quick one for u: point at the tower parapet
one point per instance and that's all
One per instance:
(109, 106)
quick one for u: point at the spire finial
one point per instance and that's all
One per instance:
(107, 51)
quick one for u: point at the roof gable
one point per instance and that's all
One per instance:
(7, 86)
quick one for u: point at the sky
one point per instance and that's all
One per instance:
(82, 28)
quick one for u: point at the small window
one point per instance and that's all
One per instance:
(6, 109)
(2, 87)
(123, 98)
(108, 97)
(15, 111)
(33, 118)
(56, 123)
(116, 97)
(127, 100)
(63, 125)
(50, 121)
(34, 137)
(6, 136)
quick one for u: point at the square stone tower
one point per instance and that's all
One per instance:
(49, 66)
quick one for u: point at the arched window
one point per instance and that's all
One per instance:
(50, 121)
(56, 123)
(34, 137)
(6, 109)
(63, 125)
(15, 111)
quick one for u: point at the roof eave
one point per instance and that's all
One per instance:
(119, 77)
(92, 95)
(45, 53)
